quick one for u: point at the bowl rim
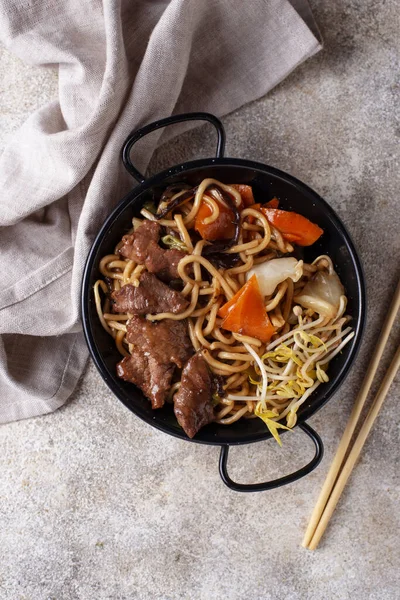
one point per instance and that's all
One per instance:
(183, 168)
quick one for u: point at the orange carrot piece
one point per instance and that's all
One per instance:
(274, 203)
(246, 193)
(245, 313)
(293, 227)
(221, 229)
(223, 311)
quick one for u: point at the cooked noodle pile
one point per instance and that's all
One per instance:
(267, 380)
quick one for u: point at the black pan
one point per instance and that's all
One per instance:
(267, 183)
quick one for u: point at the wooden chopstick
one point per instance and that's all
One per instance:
(352, 423)
(355, 451)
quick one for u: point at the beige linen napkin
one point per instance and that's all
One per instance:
(121, 64)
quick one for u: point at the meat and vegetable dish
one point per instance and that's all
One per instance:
(214, 313)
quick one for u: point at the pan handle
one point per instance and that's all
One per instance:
(139, 133)
(270, 485)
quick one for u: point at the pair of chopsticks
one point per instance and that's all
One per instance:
(341, 468)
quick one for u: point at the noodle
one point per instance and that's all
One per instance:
(185, 237)
(278, 376)
(282, 287)
(214, 208)
(100, 284)
(210, 268)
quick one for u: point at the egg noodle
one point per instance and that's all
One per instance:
(268, 381)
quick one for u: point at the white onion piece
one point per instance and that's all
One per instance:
(322, 294)
(271, 273)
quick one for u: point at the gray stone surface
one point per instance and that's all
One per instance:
(95, 504)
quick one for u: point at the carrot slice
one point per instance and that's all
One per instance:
(274, 203)
(245, 313)
(222, 228)
(246, 193)
(293, 227)
(224, 310)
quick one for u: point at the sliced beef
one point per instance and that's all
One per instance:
(157, 349)
(136, 244)
(163, 262)
(193, 401)
(151, 296)
(142, 247)
(152, 377)
(167, 341)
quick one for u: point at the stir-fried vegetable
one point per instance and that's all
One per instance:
(245, 313)
(322, 294)
(150, 205)
(272, 272)
(274, 203)
(173, 242)
(301, 362)
(223, 228)
(173, 197)
(267, 416)
(293, 227)
(246, 193)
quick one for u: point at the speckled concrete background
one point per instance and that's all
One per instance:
(97, 505)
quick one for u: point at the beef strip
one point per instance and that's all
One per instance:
(163, 262)
(135, 244)
(167, 341)
(142, 247)
(151, 296)
(157, 349)
(193, 401)
(152, 377)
